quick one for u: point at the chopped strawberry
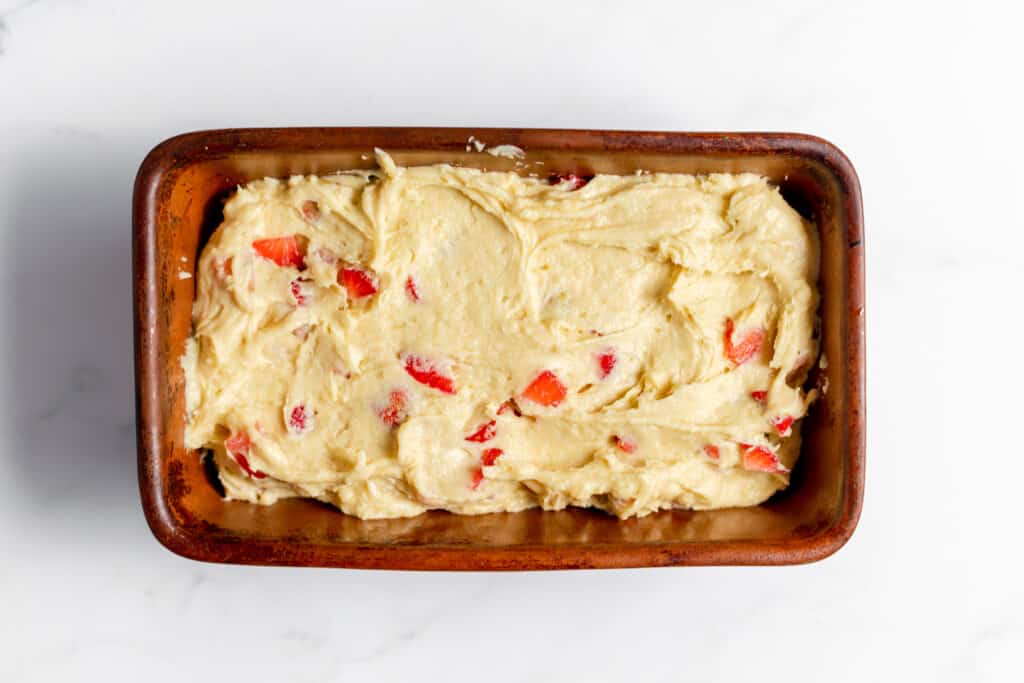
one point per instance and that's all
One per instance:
(783, 424)
(395, 412)
(243, 462)
(222, 268)
(284, 251)
(545, 389)
(760, 459)
(484, 432)
(412, 289)
(711, 451)
(310, 210)
(300, 292)
(238, 448)
(487, 459)
(237, 443)
(624, 444)
(358, 283)
(748, 347)
(425, 371)
(510, 405)
(759, 396)
(571, 181)
(299, 420)
(490, 456)
(606, 362)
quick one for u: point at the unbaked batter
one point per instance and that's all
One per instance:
(438, 337)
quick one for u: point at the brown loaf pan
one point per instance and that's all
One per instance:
(178, 197)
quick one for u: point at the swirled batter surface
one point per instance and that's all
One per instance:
(442, 337)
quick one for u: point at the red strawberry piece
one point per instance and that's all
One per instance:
(624, 444)
(760, 459)
(748, 346)
(300, 292)
(490, 456)
(476, 478)
(571, 181)
(238, 448)
(484, 432)
(222, 268)
(545, 389)
(394, 413)
(243, 462)
(711, 451)
(300, 420)
(310, 210)
(759, 396)
(426, 372)
(606, 362)
(237, 443)
(487, 459)
(358, 283)
(284, 251)
(783, 424)
(412, 289)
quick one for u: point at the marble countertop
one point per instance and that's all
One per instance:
(926, 102)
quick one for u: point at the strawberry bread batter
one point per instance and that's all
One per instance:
(437, 337)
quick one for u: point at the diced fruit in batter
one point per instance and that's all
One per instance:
(284, 251)
(358, 283)
(490, 456)
(487, 459)
(237, 444)
(748, 346)
(711, 451)
(412, 289)
(300, 290)
(484, 432)
(606, 360)
(394, 413)
(624, 444)
(476, 478)
(300, 420)
(571, 181)
(238, 448)
(545, 389)
(222, 268)
(310, 210)
(426, 372)
(759, 396)
(760, 459)
(783, 424)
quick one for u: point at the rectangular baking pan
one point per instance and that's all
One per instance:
(179, 193)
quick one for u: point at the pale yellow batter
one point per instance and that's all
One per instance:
(441, 337)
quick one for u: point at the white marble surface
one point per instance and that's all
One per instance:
(925, 99)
